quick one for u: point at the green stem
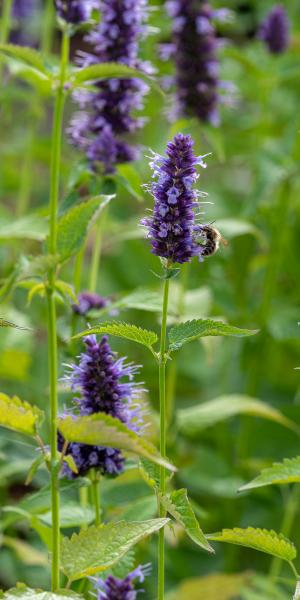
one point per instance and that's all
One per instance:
(47, 29)
(96, 257)
(286, 528)
(5, 21)
(96, 499)
(162, 400)
(51, 309)
(172, 371)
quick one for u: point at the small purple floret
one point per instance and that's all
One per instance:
(275, 30)
(172, 228)
(89, 301)
(114, 588)
(197, 65)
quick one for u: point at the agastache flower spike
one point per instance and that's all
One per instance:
(99, 379)
(75, 12)
(172, 228)
(88, 301)
(114, 588)
(100, 132)
(197, 65)
(275, 30)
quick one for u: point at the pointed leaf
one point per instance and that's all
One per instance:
(26, 55)
(285, 472)
(192, 330)
(123, 330)
(178, 505)
(71, 515)
(31, 227)
(74, 225)
(21, 592)
(104, 430)
(150, 473)
(18, 415)
(108, 71)
(217, 586)
(97, 548)
(4, 323)
(263, 540)
(191, 421)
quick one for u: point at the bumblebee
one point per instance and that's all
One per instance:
(210, 240)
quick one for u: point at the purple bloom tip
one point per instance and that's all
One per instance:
(275, 30)
(172, 227)
(113, 588)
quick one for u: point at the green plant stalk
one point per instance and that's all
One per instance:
(51, 308)
(96, 499)
(163, 441)
(286, 528)
(96, 256)
(173, 368)
(5, 21)
(47, 29)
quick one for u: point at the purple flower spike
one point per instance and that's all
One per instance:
(75, 12)
(89, 301)
(99, 378)
(172, 227)
(197, 65)
(275, 30)
(100, 132)
(120, 589)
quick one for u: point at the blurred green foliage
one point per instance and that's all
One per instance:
(253, 182)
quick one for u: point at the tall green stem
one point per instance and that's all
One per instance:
(5, 21)
(96, 499)
(286, 528)
(96, 257)
(47, 28)
(163, 444)
(51, 307)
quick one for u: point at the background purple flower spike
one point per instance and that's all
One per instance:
(89, 301)
(172, 228)
(100, 131)
(197, 65)
(275, 30)
(99, 378)
(75, 12)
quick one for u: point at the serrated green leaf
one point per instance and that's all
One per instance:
(263, 540)
(26, 55)
(121, 568)
(217, 586)
(24, 593)
(4, 323)
(19, 415)
(101, 429)
(150, 473)
(123, 330)
(192, 330)
(97, 548)
(191, 421)
(108, 71)
(74, 225)
(282, 473)
(178, 505)
(66, 290)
